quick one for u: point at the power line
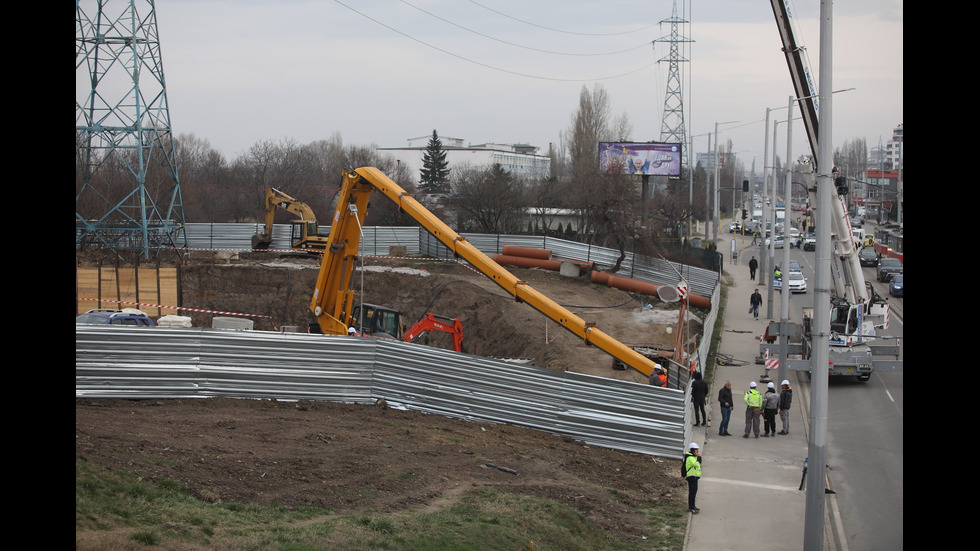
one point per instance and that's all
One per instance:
(467, 29)
(559, 30)
(481, 64)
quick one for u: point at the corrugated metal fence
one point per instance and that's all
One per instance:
(170, 363)
(123, 362)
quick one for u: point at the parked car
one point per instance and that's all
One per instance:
(130, 317)
(778, 244)
(735, 227)
(896, 287)
(888, 267)
(868, 257)
(810, 242)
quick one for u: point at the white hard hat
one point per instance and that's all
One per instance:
(772, 385)
(785, 383)
(694, 445)
(351, 330)
(752, 384)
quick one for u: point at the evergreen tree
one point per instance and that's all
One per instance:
(434, 176)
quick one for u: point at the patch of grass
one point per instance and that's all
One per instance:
(113, 508)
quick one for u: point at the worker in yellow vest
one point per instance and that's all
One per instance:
(753, 410)
(691, 471)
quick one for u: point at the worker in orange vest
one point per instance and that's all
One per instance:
(659, 377)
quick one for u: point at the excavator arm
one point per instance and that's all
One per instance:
(431, 322)
(333, 297)
(305, 231)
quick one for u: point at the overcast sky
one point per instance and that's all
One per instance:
(506, 71)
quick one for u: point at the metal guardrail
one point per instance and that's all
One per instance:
(124, 362)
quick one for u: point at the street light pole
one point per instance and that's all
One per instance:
(717, 192)
(771, 247)
(813, 531)
(785, 298)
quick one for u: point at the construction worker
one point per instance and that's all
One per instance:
(753, 410)
(777, 273)
(785, 400)
(691, 471)
(659, 377)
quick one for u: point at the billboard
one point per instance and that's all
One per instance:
(647, 159)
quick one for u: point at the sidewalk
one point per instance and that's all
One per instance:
(749, 494)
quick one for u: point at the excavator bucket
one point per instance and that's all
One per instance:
(261, 241)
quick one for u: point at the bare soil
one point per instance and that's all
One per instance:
(375, 459)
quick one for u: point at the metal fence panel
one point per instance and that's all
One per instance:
(119, 362)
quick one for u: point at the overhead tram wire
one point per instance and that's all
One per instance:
(478, 33)
(516, 73)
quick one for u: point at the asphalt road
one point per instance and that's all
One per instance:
(865, 441)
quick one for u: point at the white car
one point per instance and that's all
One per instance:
(797, 283)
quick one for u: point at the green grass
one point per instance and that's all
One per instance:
(119, 511)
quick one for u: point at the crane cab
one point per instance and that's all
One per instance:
(377, 321)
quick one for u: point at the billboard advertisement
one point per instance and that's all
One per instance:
(645, 159)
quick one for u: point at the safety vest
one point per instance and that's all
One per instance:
(753, 399)
(692, 467)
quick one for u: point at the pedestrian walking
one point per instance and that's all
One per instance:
(753, 408)
(691, 470)
(699, 393)
(753, 266)
(755, 301)
(726, 406)
(770, 404)
(785, 400)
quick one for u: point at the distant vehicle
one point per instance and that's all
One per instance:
(797, 283)
(896, 287)
(810, 242)
(888, 267)
(794, 266)
(856, 222)
(130, 317)
(868, 257)
(735, 227)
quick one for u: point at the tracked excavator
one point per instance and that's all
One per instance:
(304, 233)
(332, 303)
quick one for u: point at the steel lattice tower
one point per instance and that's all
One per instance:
(672, 130)
(127, 192)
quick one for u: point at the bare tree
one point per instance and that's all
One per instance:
(489, 200)
(606, 203)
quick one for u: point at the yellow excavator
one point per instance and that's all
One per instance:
(332, 303)
(304, 233)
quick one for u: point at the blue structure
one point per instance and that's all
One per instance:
(127, 191)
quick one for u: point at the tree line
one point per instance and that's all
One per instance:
(483, 199)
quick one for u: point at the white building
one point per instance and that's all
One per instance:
(886, 156)
(517, 159)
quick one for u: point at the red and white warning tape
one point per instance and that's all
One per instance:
(178, 308)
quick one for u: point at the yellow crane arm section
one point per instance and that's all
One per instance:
(332, 297)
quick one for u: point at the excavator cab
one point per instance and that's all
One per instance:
(377, 321)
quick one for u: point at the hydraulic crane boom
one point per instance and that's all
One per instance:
(333, 297)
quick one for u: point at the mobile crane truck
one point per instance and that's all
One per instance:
(857, 311)
(333, 297)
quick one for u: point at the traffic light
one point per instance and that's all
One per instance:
(744, 214)
(745, 188)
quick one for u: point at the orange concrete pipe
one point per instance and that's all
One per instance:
(524, 262)
(630, 284)
(528, 252)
